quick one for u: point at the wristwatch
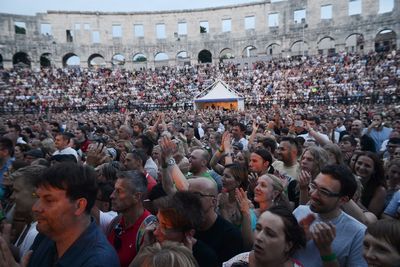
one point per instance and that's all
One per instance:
(171, 162)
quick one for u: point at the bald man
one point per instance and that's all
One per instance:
(356, 128)
(219, 234)
(198, 161)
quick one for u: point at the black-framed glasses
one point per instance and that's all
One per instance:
(322, 191)
(117, 236)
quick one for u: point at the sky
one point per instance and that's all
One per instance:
(31, 7)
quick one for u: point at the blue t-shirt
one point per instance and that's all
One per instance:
(91, 249)
(379, 136)
(393, 208)
(347, 245)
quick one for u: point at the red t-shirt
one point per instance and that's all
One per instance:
(151, 182)
(85, 146)
(127, 251)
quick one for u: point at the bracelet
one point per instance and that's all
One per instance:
(328, 258)
(171, 162)
(220, 150)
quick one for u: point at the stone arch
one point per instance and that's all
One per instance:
(274, 49)
(226, 53)
(182, 55)
(139, 57)
(249, 51)
(326, 46)
(71, 59)
(96, 60)
(354, 43)
(299, 48)
(205, 56)
(21, 59)
(118, 60)
(161, 56)
(385, 40)
(45, 60)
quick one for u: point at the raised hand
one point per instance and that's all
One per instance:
(243, 202)
(304, 179)
(284, 179)
(323, 235)
(226, 141)
(97, 154)
(253, 178)
(255, 126)
(168, 148)
(305, 223)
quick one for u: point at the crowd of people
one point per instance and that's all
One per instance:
(345, 78)
(296, 182)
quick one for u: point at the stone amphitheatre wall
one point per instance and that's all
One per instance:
(241, 33)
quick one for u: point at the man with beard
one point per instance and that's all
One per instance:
(334, 235)
(287, 153)
(287, 165)
(138, 129)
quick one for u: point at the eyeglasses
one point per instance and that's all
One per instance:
(199, 194)
(322, 192)
(117, 236)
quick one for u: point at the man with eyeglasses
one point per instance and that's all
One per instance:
(126, 231)
(333, 234)
(216, 232)
(179, 215)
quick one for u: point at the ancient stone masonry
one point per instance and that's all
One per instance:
(241, 33)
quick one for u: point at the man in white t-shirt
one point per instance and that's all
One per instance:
(61, 142)
(311, 126)
(238, 134)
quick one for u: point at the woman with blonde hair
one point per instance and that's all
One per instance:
(172, 254)
(269, 192)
